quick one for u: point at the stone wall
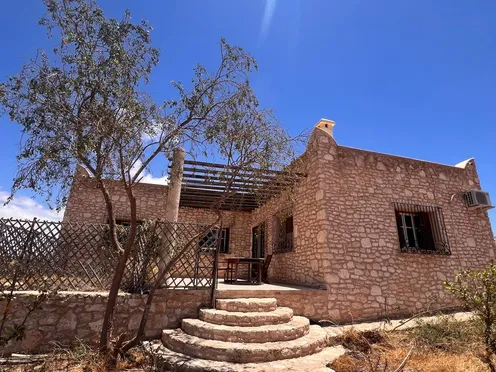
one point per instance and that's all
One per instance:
(86, 203)
(67, 317)
(239, 231)
(302, 265)
(366, 273)
(345, 236)
(345, 233)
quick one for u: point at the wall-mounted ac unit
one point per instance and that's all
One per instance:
(478, 199)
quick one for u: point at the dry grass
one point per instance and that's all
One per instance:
(83, 359)
(435, 361)
(447, 346)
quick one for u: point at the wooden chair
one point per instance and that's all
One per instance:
(224, 269)
(265, 268)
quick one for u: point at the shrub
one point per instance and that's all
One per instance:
(477, 290)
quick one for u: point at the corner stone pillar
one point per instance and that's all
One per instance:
(174, 192)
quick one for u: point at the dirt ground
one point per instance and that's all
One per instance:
(449, 345)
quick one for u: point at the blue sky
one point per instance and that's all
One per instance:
(411, 78)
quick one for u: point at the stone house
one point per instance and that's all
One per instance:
(378, 233)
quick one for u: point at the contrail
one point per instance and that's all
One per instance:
(270, 7)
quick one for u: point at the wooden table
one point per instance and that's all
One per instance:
(232, 269)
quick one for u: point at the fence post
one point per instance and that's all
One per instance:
(29, 247)
(215, 265)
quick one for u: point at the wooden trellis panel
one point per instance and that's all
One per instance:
(43, 255)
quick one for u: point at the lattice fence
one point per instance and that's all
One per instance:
(42, 255)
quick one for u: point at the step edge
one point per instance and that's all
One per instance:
(246, 313)
(263, 299)
(295, 328)
(237, 318)
(236, 352)
(177, 361)
(295, 318)
(227, 345)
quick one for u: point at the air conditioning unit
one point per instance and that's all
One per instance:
(478, 199)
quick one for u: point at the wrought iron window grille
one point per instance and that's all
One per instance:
(421, 229)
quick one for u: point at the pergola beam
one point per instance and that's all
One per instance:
(240, 175)
(204, 184)
(246, 169)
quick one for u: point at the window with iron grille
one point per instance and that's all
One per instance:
(284, 235)
(209, 241)
(421, 229)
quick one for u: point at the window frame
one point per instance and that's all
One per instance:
(224, 237)
(428, 229)
(126, 222)
(285, 238)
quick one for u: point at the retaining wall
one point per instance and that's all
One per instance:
(67, 317)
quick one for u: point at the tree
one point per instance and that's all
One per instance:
(84, 103)
(477, 290)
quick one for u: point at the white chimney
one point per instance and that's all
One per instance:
(326, 125)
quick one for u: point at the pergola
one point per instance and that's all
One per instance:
(242, 189)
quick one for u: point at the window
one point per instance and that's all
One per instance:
(284, 234)
(127, 223)
(421, 229)
(209, 242)
(123, 226)
(414, 231)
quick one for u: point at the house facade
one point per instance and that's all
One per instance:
(379, 233)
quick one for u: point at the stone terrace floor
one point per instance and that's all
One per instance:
(221, 286)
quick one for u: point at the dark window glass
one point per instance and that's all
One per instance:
(414, 231)
(208, 241)
(127, 223)
(408, 220)
(224, 241)
(399, 223)
(411, 238)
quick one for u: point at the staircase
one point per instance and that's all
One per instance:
(245, 334)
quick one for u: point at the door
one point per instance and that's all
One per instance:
(258, 241)
(257, 246)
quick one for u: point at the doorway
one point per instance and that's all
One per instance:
(258, 241)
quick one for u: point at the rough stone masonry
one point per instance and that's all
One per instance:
(345, 235)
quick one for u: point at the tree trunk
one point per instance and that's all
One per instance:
(121, 265)
(144, 318)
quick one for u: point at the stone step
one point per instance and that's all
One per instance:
(236, 352)
(247, 304)
(235, 318)
(295, 328)
(167, 360)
